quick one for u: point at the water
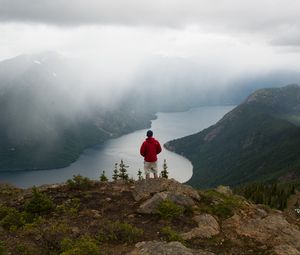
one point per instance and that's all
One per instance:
(93, 161)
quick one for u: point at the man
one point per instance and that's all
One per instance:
(149, 150)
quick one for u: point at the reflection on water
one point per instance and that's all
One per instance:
(93, 161)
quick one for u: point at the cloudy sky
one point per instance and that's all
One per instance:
(231, 36)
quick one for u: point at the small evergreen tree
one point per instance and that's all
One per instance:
(123, 171)
(164, 172)
(103, 177)
(116, 173)
(140, 177)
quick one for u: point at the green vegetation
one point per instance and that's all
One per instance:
(39, 203)
(219, 204)
(69, 207)
(10, 218)
(169, 210)
(273, 194)
(251, 143)
(83, 246)
(140, 175)
(116, 172)
(164, 172)
(79, 182)
(119, 232)
(123, 171)
(103, 177)
(171, 235)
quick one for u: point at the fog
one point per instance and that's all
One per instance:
(109, 49)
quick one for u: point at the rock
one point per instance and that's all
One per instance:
(152, 204)
(164, 248)
(75, 230)
(224, 190)
(272, 229)
(261, 213)
(146, 188)
(90, 213)
(285, 250)
(207, 227)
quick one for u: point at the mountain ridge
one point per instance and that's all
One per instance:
(242, 146)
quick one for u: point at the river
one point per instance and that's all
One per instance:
(93, 161)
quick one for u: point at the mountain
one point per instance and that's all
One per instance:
(256, 141)
(152, 217)
(46, 118)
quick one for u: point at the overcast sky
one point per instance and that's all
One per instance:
(230, 36)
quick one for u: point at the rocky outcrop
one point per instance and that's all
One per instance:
(207, 227)
(151, 205)
(146, 188)
(164, 248)
(272, 229)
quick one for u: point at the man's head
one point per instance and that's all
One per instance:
(149, 133)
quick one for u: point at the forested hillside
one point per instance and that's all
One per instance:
(258, 140)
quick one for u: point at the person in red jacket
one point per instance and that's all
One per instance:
(149, 150)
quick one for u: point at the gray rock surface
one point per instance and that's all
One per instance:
(207, 227)
(146, 188)
(151, 205)
(164, 248)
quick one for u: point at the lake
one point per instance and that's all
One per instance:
(93, 161)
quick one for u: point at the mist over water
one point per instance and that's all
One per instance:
(93, 161)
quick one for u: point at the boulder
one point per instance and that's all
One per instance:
(224, 190)
(164, 248)
(207, 227)
(151, 205)
(273, 229)
(146, 188)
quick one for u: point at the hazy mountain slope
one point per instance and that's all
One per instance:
(258, 140)
(45, 120)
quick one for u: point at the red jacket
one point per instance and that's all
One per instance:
(149, 149)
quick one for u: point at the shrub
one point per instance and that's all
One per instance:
(39, 203)
(169, 210)
(171, 235)
(219, 204)
(84, 246)
(70, 207)
(10, 218)
(120, 232)
(103, 177)
(79, 182)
